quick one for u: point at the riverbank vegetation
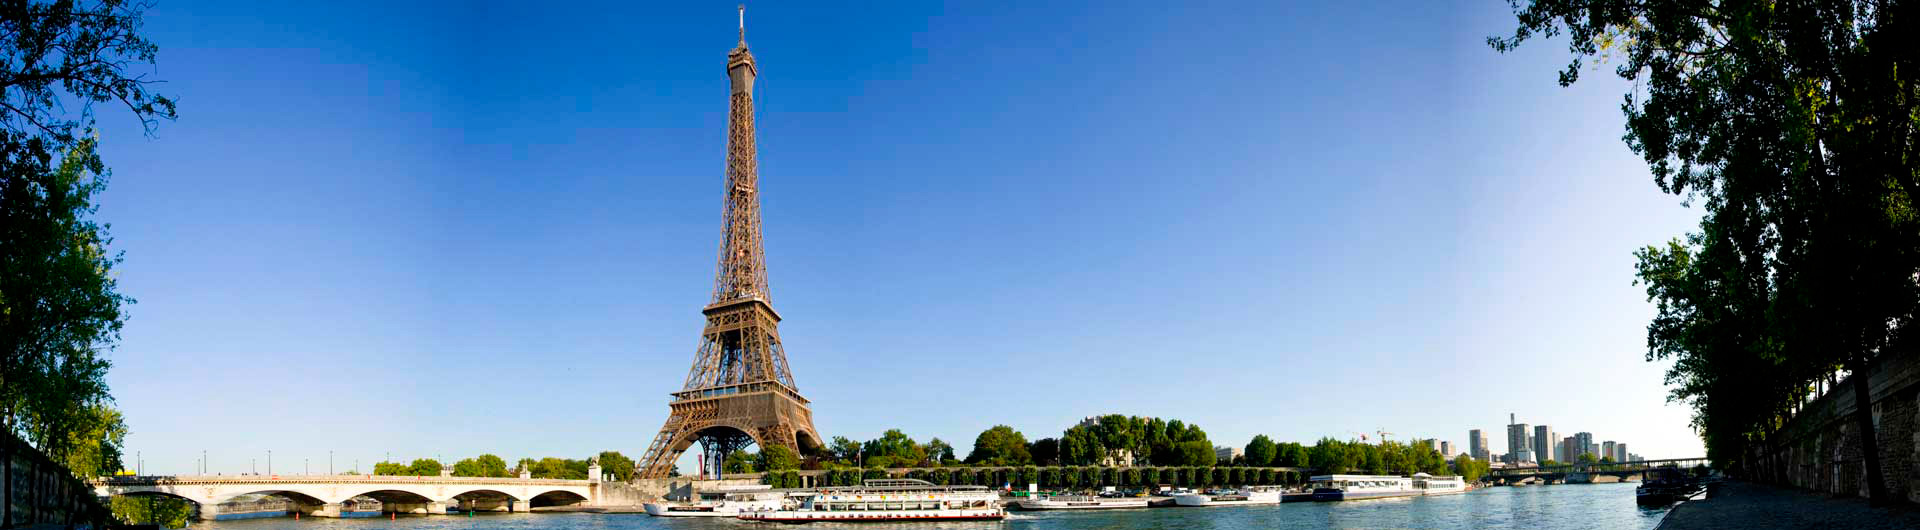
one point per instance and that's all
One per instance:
(1111, 450)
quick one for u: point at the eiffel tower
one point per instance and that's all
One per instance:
(739, 391)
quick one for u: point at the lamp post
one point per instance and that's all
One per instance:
(329, 461)
(269, 461)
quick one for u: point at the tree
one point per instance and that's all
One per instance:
(738, 462)
(777, 458)
(1195, 453)
(60, 306)
(1292, 454)
(1469, 468)
(1793, 123)
(900, 449)
(424, 467)
(844, 450)
(556, 467)
(94, 446)
(1079, 446)
(1045, 451)
(610, 462)
(1586, 458)
(467, 467)
(1331, 456)
(1261, 451)
(527, 465)
(390, 469)
(940, 453)
(1000, 445)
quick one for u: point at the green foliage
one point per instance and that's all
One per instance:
(737, 462)
(389, 469)
(559, 468)
(486, 465)
(872, 473)
(1045, 451)
(1195, 452)
(93, 447)
(1150, 476)
(611, 462)
(1261, 451)
(940, 453)
(1292, 454)
(900, 450)
(1332, 456)
(1586, 458)
(777, 458)
(166, 511)
(999, 446)
(424, 467)
(941, 477)
(844, 450)
(1792, 124)
(60, 307)
(1469, 468)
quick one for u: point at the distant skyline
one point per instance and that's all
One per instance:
(462, 228)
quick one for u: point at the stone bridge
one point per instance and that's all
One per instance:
(1583, 472)
(333, 495)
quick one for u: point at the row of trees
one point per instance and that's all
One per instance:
(1109, 440)
(1794, 125)
(489, 465)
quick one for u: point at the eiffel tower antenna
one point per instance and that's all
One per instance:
(739, 391)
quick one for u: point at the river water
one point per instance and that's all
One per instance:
(1566, 506)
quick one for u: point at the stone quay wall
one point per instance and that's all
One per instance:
(1819, 449)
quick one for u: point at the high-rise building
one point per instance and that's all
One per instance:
(1606, 450)
(1583, 444)
(1477, 444)
(1446, 449)
(1569, 450)
(1519, 441)
(1620, 452)
(1543, 441)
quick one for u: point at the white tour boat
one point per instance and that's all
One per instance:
(724, 501)
(1432, 485)
(1078, 502)
(1355, 487)
(889, 500)
(1242, 497)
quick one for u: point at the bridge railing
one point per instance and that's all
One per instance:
(155, 480)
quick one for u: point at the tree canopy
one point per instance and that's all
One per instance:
(60, 305)
(1793, 123)
(1000, 445)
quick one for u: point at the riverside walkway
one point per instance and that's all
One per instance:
(1739, 505)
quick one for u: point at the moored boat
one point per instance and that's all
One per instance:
(1443, 485)
(1356, 487)
(888, 500)
(1078, 502)
(1248, 496)
(725, 501)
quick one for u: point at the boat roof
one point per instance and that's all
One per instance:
(900, 484)
(739, 488)
(1354, 477)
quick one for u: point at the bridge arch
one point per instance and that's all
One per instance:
(483, 493)
(297, 496)
(390, 496)
(556, 498)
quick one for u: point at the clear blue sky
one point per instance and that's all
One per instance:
(466, 228)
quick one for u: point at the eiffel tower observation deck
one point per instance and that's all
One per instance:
(739, 391)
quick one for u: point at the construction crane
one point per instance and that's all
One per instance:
(1384, 434)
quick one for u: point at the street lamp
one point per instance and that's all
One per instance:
(269, 461)
(329, 461)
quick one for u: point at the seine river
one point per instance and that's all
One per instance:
(1530, 507)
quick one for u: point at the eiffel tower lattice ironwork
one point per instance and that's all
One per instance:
(739, 390)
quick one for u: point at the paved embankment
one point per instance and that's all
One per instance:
(1740, 505)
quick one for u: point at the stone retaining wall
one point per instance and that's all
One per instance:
(1820, 448)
